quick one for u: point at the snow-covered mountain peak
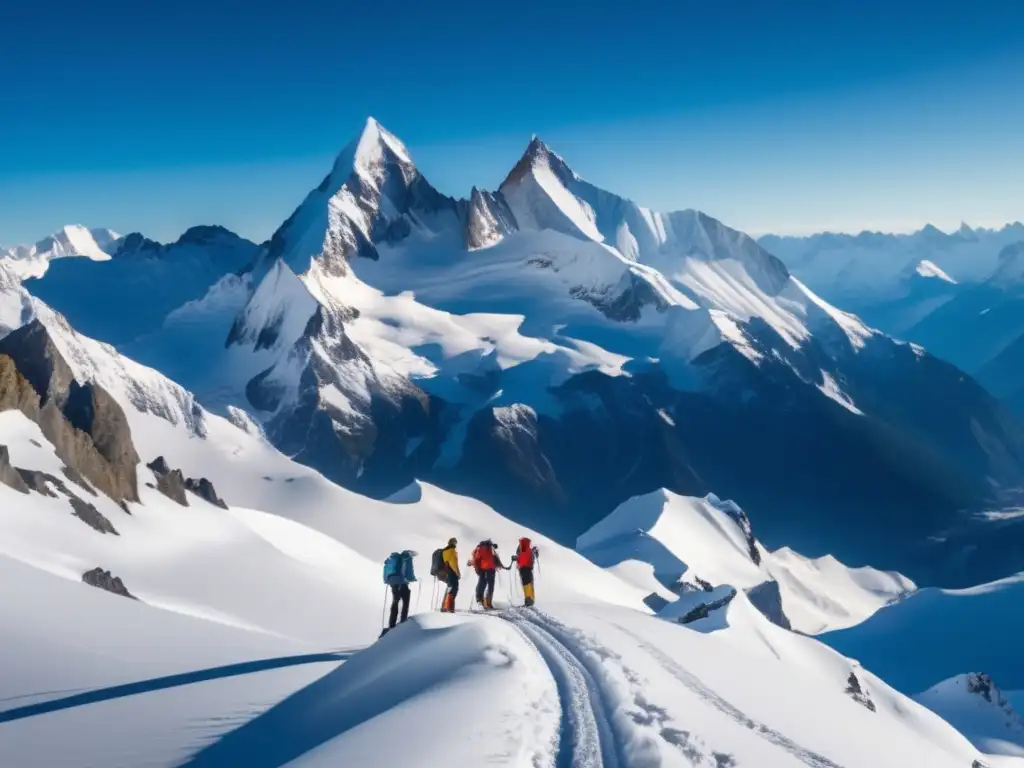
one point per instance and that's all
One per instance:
(539, 155)
(69, 241)
(373, 194)
(370, 151)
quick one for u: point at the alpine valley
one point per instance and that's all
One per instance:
(208, 447)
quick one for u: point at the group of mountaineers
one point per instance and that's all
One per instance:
(444, 567)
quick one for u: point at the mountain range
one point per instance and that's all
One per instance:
(554, 349)
(208, 447)
(956, 294)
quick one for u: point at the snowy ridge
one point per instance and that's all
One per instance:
(72, 240)
(672, 545)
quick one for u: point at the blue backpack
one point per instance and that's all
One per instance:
(398, 569)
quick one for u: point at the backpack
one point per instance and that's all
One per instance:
(408, 574)
(483, 556)
(437, 567)
(526, 553)
(393, 570)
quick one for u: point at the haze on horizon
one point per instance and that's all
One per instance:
(785, 119)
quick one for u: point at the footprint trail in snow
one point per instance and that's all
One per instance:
(586, 739)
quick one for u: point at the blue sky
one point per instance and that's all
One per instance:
(786, 116)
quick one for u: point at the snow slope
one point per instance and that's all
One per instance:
(73, 240)
(937, 634)
(595, 686)
(977, 708)
(668, 544)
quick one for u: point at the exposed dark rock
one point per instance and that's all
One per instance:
(704, 610)
(9, 475)
(91, 516)
(16, 393)
(981, 684)
(204, 489)
(87, 427)
(102, 579)
(39, 482)
(626, 301)
(170, 482)
(705, 585)
(857, 693)
(159, 466)
(767, 598)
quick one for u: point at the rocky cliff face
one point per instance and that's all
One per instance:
(87, 427)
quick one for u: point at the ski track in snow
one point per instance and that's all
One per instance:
(599, 727)
(695, 684)
(586, 739)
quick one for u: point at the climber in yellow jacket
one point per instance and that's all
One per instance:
(452, 575)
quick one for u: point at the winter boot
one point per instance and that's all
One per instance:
(488, 606)
(448, 605)
(528, 594)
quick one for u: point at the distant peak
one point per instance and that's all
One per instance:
(369, 149)
(931, 231)
(206, 233)
(538, 154)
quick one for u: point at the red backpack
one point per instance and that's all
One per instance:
(483, 556)
(525, 557)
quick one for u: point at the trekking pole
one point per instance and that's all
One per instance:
(433, 596)
(384, 610)
(419, 589)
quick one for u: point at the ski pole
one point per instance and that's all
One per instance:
(384, 610)
(419, 589)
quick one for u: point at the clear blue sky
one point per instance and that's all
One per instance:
(784, 116)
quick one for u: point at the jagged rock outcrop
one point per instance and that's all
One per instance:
(857, 693)
(487, 219)
(87, 427)
(91, 516)
(9, 475)
(204, 489)
(706, 608)
(102, 579)
(40, 482)
(170, 482)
